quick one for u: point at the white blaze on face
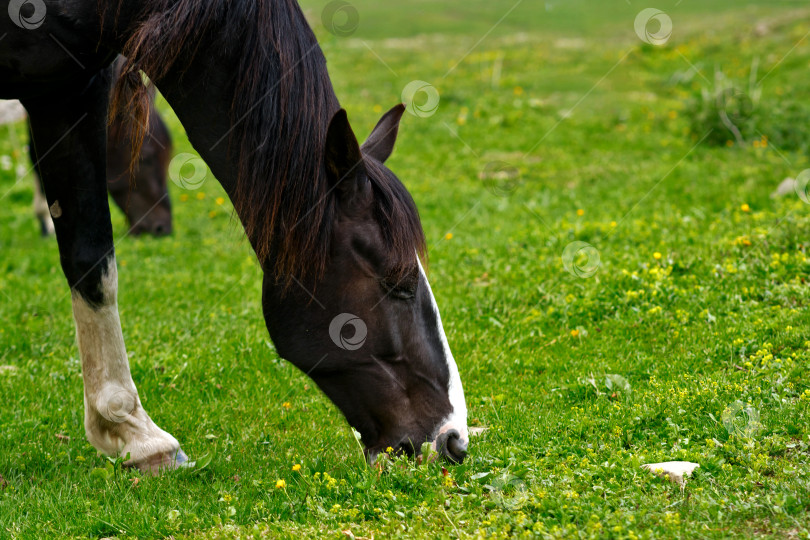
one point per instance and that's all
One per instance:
(458, 416)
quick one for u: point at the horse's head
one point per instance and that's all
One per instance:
(369, 332)
(144, 200)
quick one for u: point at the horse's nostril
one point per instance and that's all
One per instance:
(160, 229)
(452, 447)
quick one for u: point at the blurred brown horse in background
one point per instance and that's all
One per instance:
(144, 200)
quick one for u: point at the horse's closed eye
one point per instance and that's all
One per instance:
(404, 290)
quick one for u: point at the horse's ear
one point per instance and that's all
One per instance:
(380, 143)
(342, 157)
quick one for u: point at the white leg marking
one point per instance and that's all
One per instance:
(458, 416)
(41, 209)
(114, 419)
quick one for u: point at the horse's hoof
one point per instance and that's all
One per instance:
(161, 462)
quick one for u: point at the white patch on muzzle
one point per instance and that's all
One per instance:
(457, 419)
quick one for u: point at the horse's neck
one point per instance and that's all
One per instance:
(202, 97)
(202, 101)
(218, 105)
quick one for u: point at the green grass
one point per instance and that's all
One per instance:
(608, 154)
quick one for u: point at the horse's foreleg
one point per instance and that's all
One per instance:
(41, 210)
(69, 140)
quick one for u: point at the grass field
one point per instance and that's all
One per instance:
(681, 333)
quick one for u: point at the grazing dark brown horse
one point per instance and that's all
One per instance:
(345, 297)
(142, 193)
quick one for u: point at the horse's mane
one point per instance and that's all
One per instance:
(282, 103)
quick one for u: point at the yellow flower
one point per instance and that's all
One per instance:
(377, 108)
(745, 207)
(296, 467)
(580, 212)
(613, 223)
(389, 450)
(201, 195)
(227, 497)
(281, 484)
(220, 201)
(184, 197)
(657, 256)
(518, 91)
(212, 213)
(742, 241)
(574, 333)
(286, 405)
(448, 236)
(673, 114)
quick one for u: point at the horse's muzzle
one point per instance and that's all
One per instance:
(450, 445)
